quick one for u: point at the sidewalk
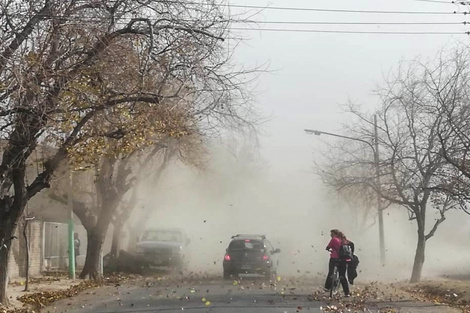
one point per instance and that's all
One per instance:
(47, 285)
(45, 290)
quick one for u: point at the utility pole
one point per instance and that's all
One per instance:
(379, 197)
(375, 150)
(71, 226)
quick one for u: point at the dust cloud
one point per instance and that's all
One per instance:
(295, 211)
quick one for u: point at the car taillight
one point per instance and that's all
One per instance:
(227, 257)
(265, 257)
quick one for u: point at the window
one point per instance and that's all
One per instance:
(269, 247)
(162, 235)
(245, 244)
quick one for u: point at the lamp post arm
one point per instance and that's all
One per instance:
(318, 133)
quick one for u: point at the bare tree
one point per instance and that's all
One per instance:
(77, 73)
(449, 81)
(412, 165)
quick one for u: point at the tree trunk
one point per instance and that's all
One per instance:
(91, 268)
(117, 236)
(10, 213)
(96, 236)
(7, 231)
(419, 256)
(4, 253)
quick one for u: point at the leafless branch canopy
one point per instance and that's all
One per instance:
(424, 140)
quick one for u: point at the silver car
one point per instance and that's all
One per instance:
(164, 247)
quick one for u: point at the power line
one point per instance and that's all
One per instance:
(436, 1)
(337, 10)
(349, 31)
(98, 19)
(334, 10)
(85, 19)
(353, 23)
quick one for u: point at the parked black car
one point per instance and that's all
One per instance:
(250, 254)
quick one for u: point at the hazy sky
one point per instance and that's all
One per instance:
(314, 73)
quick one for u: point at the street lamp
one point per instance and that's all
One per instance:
(377, 174)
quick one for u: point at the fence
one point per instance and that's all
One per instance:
(56, 245)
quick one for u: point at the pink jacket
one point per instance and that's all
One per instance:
(334, 245)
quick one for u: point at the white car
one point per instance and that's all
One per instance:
(164, 247)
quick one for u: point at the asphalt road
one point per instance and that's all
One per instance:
(216, 295)
(216, 302)
(195, 297)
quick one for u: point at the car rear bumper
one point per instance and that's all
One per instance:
(249, 268)
(163, 260)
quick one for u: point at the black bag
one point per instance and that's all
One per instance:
(354, 261)
(345, 252)
(352, 269)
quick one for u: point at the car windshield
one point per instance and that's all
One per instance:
(246, 244)
(162, 235)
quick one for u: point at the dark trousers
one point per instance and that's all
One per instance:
(76, 255)
(342, 267)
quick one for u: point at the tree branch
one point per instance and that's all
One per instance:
(23, 35)
(436, 224)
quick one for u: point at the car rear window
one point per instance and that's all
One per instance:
(162, 235)
(246, 244)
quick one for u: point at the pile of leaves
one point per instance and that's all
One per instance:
(39, 300)
(22, 310)
(440, 295)
(377, 295)
(362, 298)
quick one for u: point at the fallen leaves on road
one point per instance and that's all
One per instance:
(360, 300)
(440, 293)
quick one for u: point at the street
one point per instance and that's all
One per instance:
(215, 302)
(252, 295)
(209, 294)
